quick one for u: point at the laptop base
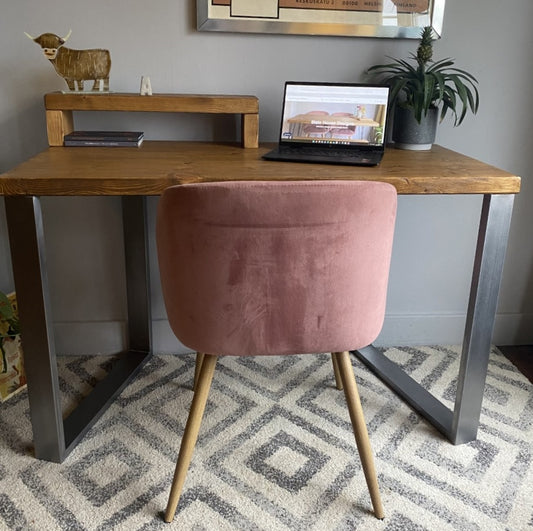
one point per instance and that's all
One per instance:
(370, 159)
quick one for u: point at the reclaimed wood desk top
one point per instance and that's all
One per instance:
(149, 169)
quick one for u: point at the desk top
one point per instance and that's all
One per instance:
(149, 169)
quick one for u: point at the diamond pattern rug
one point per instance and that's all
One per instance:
(276, 452)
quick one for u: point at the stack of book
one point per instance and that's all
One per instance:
(104, 138)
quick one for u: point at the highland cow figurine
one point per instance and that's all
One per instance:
(76, 66)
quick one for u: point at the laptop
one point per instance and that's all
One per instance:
(332, 123)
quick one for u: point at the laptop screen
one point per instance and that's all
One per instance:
(328, 113)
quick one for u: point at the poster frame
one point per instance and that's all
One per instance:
(324, 21)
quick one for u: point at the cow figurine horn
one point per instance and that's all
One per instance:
(67, 36)
(29, 36)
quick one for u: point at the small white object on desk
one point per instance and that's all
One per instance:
(146, 87)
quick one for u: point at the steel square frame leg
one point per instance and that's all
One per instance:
(461, 425)
(135, 222)
(53, 436)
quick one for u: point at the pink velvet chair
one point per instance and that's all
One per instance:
(254, 268)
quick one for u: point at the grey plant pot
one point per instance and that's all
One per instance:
(407, 133)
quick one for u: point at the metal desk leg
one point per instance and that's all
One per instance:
(134, 215)
(54, 437)
(488, 266)
(26, 238)
(139, 347)
(460, 426)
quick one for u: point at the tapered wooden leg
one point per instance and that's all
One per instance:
(359, 429)
(338, 379)
(190, 434)
(198, 367)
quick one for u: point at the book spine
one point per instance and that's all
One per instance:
(104, 143)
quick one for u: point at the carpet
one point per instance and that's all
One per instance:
(276, 452)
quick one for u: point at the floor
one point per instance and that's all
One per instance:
(522, 357)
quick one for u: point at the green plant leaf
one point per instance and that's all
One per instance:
(422, 84)
(6, 310)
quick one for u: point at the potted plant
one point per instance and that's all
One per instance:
(419, 88)
(12, 376)
(9, 326)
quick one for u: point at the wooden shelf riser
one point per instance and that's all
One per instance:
(60, 106)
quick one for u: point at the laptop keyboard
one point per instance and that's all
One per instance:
(318, 152)
(328, 155)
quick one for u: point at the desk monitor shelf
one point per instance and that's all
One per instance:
(60, 106)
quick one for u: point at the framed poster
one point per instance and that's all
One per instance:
(357, 18)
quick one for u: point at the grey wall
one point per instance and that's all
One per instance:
(435, 235)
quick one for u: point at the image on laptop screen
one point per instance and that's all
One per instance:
(341, 114)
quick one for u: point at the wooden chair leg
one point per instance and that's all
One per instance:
(359, 429)
(190, 435)
(198, 368)
(338, 379)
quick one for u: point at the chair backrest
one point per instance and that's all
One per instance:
(286, 267)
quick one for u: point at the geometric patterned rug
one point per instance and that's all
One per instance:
(275, 452)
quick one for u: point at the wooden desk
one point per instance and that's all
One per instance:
(135, 173)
